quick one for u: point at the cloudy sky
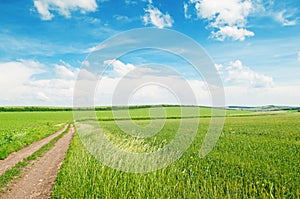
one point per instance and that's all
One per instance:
(255, 45)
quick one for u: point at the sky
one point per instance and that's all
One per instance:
(254, 45)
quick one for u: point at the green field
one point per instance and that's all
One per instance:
(19, 129)
(162, 112)
(257, 156)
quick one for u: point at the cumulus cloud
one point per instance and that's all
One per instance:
(21, 83)
(279, 95)
(232, 32)
(299, 56)
(149, 85)
(227, 17)
(64, 72)
(63, 7)
(154, 16)
(119, 68)
(26, 87)
(240, 74)
(14, 73)
(151, 89)
(14, 76)
(43, 10)
(154, 94)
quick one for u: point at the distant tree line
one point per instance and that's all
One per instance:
(33, 108)
(103, 108)
(109, 108)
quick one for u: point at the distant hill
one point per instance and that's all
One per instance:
(265, 108)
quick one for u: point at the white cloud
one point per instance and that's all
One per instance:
(49, 92)
(283, 18)
(14, 76)
(95, 48)
(154, 16)
(228, 17)
(232, 32)
(122, 18)
(42, 96)
(279, 95)
(153, 93)
(63, 7)
(151, 89)
(185, 9)
(63, 72)
(14, 73)
(219, 68)
(119, 68)
(21, 84)
(299, 56)
(226, 12)
(130, 2)
(244, 86)
(43, 10)
(239, 74)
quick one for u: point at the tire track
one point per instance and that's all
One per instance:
(38, 180)
(18, 156)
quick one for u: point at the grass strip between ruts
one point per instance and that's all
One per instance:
(16, 171)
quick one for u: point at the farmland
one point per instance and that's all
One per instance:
(257, 155)
(19, 129)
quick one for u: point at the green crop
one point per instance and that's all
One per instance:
(255, 157)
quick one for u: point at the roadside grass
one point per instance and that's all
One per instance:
(255, 157)
(17, 169)
(20, 129)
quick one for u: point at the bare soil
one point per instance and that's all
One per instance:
(18, 156)
(38, 179)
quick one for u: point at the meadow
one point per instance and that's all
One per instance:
(159, 112)
(20, 129)
(257, 156)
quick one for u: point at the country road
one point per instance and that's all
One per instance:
(18, 156)
(38, 179)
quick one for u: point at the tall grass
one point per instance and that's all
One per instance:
(255, 157)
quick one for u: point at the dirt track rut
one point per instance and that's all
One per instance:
(18, 156)
(37, 181)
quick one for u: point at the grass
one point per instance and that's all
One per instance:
(163, 112)
(255, 157)
(14, 172)
(20, 129)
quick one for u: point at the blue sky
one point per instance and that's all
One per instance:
(254, 44)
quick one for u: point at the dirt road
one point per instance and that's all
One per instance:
(18, 156)
(37, 181)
